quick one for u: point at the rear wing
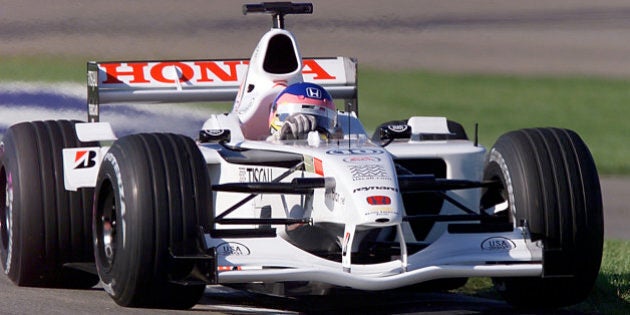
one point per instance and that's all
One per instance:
(202, 81)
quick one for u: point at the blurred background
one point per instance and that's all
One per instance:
(577, 37)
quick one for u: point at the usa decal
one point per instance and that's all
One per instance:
(232, 249)
(497, 244)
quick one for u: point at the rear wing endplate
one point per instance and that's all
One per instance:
(202, 81)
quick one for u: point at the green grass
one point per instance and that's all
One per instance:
(42, 68)
(612, 291)
(611, 294)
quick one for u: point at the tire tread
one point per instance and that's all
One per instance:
(557, 193)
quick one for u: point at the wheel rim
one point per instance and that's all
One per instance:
(498, 196)
(6, 219)
(6, 205)
(108, 230)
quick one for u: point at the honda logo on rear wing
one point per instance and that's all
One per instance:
(199, 80)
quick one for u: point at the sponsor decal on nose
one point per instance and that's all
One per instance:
(379, 200)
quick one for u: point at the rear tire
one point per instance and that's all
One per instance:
(43, 225)
(152, 194)
(549, 179)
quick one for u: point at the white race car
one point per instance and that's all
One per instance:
(158, 216)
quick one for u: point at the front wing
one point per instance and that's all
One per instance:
(508, 254)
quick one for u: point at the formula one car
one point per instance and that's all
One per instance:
(161, 215)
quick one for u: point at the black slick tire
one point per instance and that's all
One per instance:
(549, 179)
(152, 195)
(43, 225)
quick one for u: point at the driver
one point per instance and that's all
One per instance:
(299, 109)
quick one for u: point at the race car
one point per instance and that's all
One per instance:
(155, 217)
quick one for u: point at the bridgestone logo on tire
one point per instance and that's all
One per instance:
(121, 191)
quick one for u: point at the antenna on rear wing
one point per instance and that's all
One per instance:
(278, 10)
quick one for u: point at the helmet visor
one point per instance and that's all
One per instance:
(326, 118)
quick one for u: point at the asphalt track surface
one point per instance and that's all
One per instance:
(222, 300)
(577, 37)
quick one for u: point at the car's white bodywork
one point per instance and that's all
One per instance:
(360, 201)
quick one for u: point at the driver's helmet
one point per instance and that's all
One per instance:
(305, 98)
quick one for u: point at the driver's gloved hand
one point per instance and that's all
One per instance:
(297, 126)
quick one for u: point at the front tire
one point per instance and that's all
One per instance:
(152, 195)
(550, 182)
(43, 225)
